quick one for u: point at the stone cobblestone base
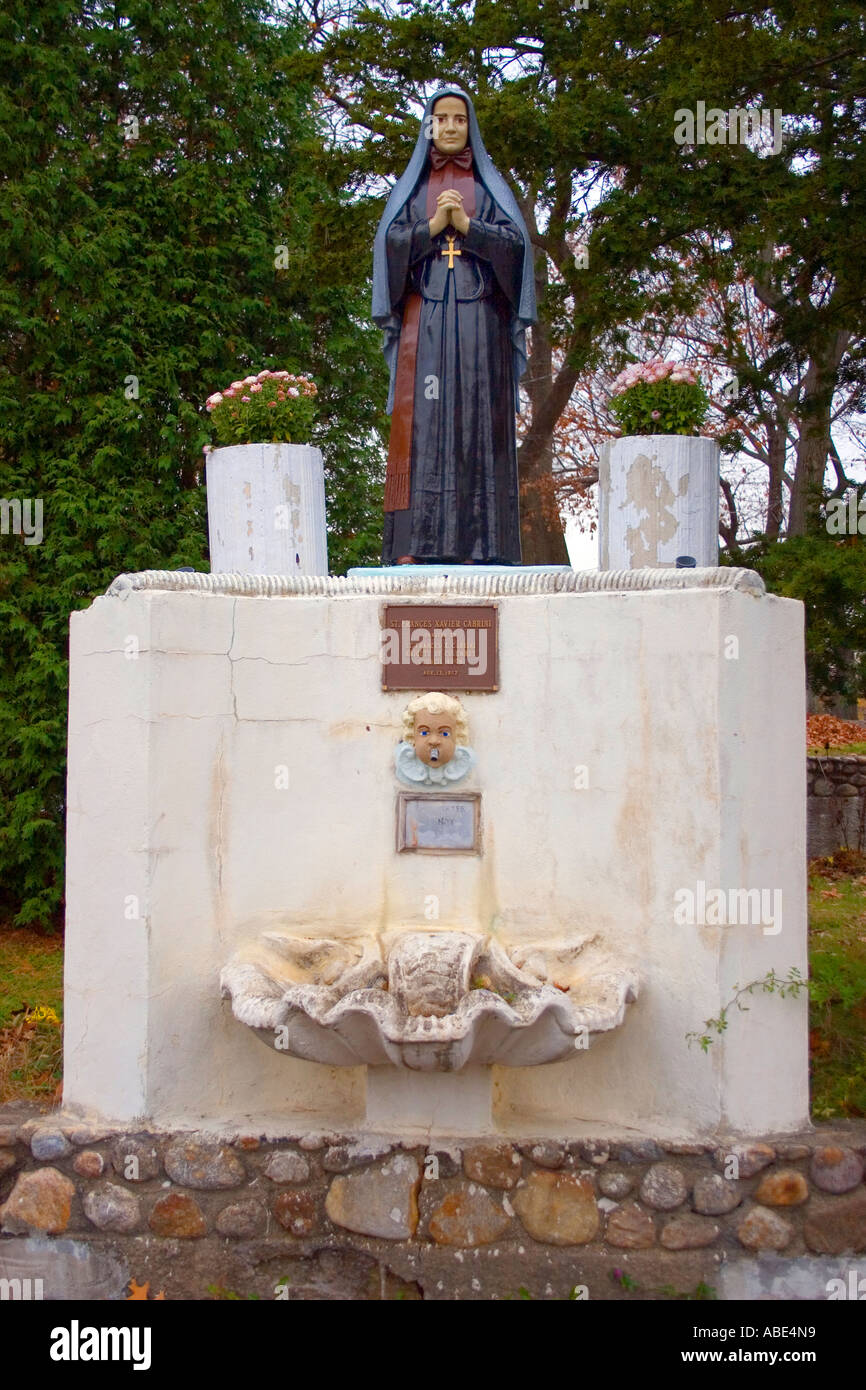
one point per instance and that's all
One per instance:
(332, 1216)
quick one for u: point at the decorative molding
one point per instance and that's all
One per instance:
(480, 585)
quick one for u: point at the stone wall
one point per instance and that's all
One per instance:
(327, 1216)
(836, 804)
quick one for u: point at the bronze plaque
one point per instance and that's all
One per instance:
(440, 647)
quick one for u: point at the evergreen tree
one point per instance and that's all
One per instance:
(828, 575)
(155, 159)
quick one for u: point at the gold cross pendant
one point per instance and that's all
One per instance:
(450, 252)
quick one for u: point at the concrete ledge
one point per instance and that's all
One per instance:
(460, 580)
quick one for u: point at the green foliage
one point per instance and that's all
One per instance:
(661, 407)
(31, 1010)
(771, 983)
(829, 577)
(837, 987)
(271, 408)
(701, 1293)
(31, 975)
(155, 162)
(844, 750)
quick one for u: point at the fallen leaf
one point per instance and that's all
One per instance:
(823, 729)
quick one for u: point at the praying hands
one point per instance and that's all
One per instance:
(449, 211)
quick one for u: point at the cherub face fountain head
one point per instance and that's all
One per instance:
(435, 724)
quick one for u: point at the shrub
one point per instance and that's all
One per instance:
(658, 397)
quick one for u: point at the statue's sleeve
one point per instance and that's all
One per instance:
(407, 241)
(496, 239)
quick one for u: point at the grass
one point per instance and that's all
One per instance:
(31, 1013)
(31, 980)
(815, 751)
(837, 992)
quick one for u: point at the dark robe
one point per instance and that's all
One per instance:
(463, 500)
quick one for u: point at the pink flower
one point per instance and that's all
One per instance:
(656, 415)
(256, 387)
(246, 398)
(236, 385)
(248, 381)
(293, 391)
(272, 403)
(261, 376)
(213, 400)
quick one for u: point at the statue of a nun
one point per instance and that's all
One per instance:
(454, 291)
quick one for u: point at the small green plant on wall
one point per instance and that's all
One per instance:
(771, 983)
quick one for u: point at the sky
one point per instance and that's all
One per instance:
(582, 547)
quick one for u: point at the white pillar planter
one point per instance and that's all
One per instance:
(266, 509)
(658, 498)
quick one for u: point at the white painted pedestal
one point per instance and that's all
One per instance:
(266, 509)
(236, 779)
(658, 499)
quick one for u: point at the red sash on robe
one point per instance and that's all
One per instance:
(398, 480)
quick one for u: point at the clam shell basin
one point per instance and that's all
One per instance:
(429, 1001)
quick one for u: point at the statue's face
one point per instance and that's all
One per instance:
(434, 738)
(450, 125)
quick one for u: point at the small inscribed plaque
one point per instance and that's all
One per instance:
(440, 647)
(439, 823)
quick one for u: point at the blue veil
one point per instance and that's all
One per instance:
(489, 176)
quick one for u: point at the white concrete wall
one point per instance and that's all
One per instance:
(695, 769)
